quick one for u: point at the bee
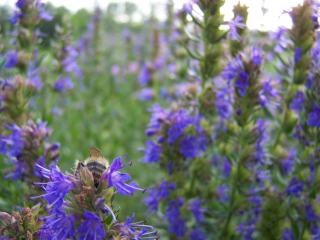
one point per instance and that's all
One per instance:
(96, 163)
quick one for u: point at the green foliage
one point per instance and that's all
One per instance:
(48, 28)
(238, 46)
(270, 225)
(302, 35)
(79, 22)
(4, 19)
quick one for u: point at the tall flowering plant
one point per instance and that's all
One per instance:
(24, 142)
(241, 162)
(80, 205)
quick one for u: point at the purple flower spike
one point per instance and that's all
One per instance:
(236, 23)
(43, 14)
(298, 102)
(314, 118)
(197, 210)
(11, 59)
(91, 228)
(295, 187)
(158, 194)
(145, 75)
(177, 225)
(152, 152)
(63, 84)
(59, 225)
(135, 230)
(157, 118)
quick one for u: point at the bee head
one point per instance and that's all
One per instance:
(96, 156)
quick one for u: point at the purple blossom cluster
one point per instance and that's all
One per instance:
(176, 131)
(70, 214)
(262, 135)
(25, 146)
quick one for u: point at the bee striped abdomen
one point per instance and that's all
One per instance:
(96, 168)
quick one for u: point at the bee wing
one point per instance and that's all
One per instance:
(78, 165)
(94, 152)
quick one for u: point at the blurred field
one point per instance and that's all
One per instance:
(102, 109)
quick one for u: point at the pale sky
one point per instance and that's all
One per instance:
(271, 21)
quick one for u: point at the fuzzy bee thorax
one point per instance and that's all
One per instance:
(96, 164)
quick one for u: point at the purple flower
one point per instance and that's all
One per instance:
(158, 116)
(223, 193)
(262, 175)
(153, 199)
(58, 186)
(289, 162)
(267, 93)
(133, 67)
(311, 215)
(197, 234)
(297, 55)
(115, 70)
(261, 154)
(234, 25)
(314, 117)
(34, 78)
(179, 122)
(70, 61)
(145, 75)
(315, 233)
(159, 62)
(177, 224)
(91, 228)
(126, 34)
(224, 102)
(20, 146)
(19, 172)
(172, 68)
(15, 17)
(12, 59)
(21, 4)
(232, 69)
(256, 55)
(295, 187)
(43, 14)
(287, 234)
(12, 145)
(119, 180)
(152, 152)
(58, 226)
(187, 7)
(135, 230)
(155, 195)
(226, 168)
(298, 102)
(246, 230)
(315, 55)
(63, 84)
(145, 94)
(165, 188)
(192, 146)
(197, 210)
(280, 39)
(242, 83)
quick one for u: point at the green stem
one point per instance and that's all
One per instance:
(224, 232)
